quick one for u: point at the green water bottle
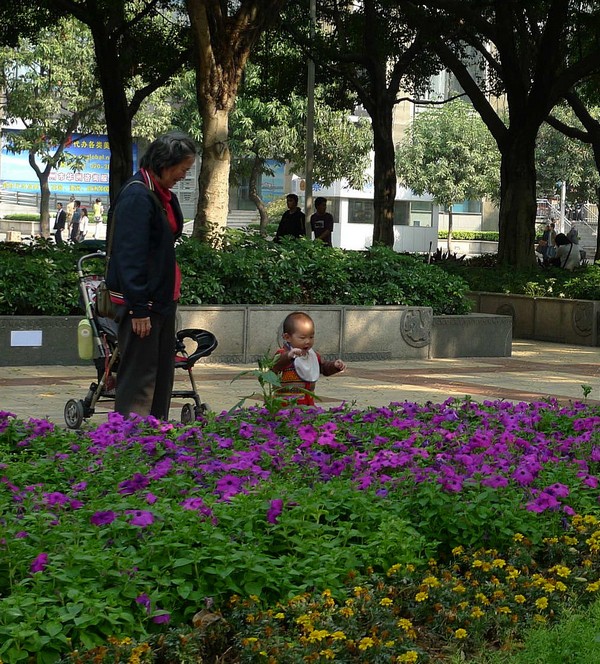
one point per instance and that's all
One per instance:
(85, 340)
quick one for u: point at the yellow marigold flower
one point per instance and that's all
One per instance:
(358, 590)
(346, 611)
(512, 573)
(477, 612)
(518, 537)
(249, 641)
(499, 562)
(520, 599)
(280, 615)
(386, 601)
(542, 603)
(318, 635)
(304, 619)
(410, 568)
(327, 654)
(365, 643)
(463, 605)
(560, 586)
(590, 520)
(431, 581)
(409, 657)
(393, 569)
(250, 618)
(421, 597)
(389, 644)
(338, 636)
(539, 619)
(561, 570)
(587, 562)
(405, 624)
(477, 563)
(460, 633)
(570, 541)
(549, 587)
(550, 540)
(593, 587)
(480, 597)
(498, 594)
(459, 588)
(503, 609)
(458, 550)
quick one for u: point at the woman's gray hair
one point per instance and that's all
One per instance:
(168, 150)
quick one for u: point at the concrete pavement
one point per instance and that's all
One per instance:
(535, 370)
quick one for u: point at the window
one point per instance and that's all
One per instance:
(467, 207)
(406, 213)
(360, 212)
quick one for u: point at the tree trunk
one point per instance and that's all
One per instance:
(257, 168)
(518, 202)
(450, 220)
(385, 183)
(213, 181)
(597, 256)
(117, 114)
(44, 205)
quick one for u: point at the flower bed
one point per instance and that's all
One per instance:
(329, 517)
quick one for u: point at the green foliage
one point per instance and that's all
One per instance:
(483, 274)
(491, 236)
(19, 216)
(252, 270)
(574, 640)
(449, 153)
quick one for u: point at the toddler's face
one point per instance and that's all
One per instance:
(303, 335)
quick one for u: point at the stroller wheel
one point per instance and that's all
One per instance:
(187, 414)
(74, 413)
(201, 410)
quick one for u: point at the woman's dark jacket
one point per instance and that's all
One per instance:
(141, 269)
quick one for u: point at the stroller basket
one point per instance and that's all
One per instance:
(190, 345)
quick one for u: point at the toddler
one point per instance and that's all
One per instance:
(297, 362)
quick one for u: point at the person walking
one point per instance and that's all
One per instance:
(143, 276)
(75, 222)
(59, 223)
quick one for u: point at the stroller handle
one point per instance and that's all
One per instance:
(87, 257)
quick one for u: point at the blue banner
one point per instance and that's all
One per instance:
(17, 175)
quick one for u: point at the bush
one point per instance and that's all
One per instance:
(484, 274)
(491, 236)
(246, 269)
(16, 216)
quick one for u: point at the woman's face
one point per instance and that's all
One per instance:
(171, 175)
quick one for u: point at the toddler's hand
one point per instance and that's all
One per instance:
(338, 364)
(295, 352)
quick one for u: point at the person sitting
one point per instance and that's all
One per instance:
(567, 253)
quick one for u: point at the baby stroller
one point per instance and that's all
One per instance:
(190, 345)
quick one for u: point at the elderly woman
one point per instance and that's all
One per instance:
(144, 278)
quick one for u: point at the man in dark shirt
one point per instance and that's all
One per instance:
(321, 222)
(293, 221)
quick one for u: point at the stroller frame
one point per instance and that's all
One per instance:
(106, 356)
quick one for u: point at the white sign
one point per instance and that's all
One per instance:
(26, 338)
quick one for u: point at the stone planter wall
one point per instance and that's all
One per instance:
(545, 318)
(246, 332)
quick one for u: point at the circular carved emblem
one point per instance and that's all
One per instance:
(415, 327)
(582, 317)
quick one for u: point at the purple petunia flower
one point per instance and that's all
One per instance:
(136, 483)
(145, 601)
(161, 618)
(39, 563)
(103, 518)
(275, 510)
(141, 518)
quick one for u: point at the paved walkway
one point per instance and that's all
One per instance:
(535, 370)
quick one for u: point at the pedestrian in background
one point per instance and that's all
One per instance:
(321, 222)
(59, 223)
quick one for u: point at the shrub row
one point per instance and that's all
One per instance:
(491, 236)
(246, 269)
(484, 274)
